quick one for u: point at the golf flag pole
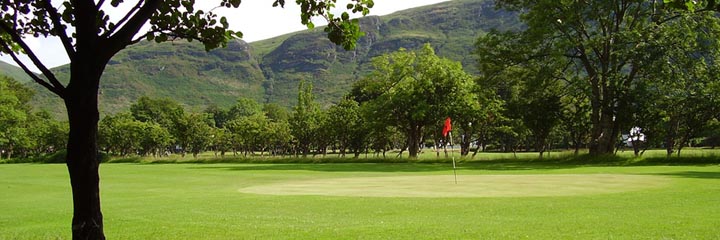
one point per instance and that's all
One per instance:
(447, 129)
(452, 153)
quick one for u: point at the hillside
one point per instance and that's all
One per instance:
(13, 72)
(270, 70)
(178, 70)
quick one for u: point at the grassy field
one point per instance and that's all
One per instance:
(502, 200)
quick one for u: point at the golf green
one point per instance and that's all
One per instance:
(539, 185)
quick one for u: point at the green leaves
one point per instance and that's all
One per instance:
(22, 132)
(341, 29)
(306, 119)
(412, 90)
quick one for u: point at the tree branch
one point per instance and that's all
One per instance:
(140, 38)
(32, 75)
(35, 60)
(124, 35)
(124, 19)
(99, 4)
(677, 15)
(55, 17)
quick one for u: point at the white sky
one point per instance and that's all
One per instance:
(256, 19)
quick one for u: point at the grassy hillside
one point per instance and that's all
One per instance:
(179, 70)
(451, 27)
(270, 70)
(13, 72)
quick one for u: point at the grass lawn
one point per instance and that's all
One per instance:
(370, 201)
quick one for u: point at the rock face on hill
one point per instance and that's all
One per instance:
(270, 70)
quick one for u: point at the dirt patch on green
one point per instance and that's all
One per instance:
(467, 185)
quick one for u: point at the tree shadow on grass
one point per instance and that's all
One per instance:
(692, 174)
(678, 161)
(441, 164)
(494, 165)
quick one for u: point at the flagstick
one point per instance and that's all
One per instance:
(452, 153)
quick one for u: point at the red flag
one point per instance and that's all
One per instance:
(447, 128)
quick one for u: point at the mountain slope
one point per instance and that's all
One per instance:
(451, 27)
(14, 72)
(270, 70)
(181, 71)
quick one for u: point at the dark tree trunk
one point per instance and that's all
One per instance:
(576, 149)
(465, 145)
(414, 141)
(540, 144)
(476, 151)
(82, 155)
(672, 128)
(604, 134)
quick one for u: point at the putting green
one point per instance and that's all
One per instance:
(467, 185)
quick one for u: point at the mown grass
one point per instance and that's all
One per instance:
(203, 201)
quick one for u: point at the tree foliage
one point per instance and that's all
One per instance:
(24, 133)
(414, 90)
(306, 118)
(606, 45)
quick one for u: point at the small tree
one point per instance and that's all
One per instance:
(414, 90)
(195, 133)
(305, 121)
(345, 124)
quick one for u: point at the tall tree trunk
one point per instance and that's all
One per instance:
(540, 147)
(576, 146)
(672, 128)
(465, 143)
(82, 155)
(414, 141)
(604, 133)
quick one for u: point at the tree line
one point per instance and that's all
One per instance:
(398, 106)
(401, 105)
(581, 82)
(576, 75)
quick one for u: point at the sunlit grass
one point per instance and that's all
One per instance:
(203, 201)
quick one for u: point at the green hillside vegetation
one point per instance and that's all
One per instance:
(13, 72)
(179, 70)
(270, 70)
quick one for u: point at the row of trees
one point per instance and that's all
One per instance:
(24, 133)
(528, 103)
(399, 106)
(576, 75)
(159, 127)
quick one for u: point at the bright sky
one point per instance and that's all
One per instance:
(257, 19)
